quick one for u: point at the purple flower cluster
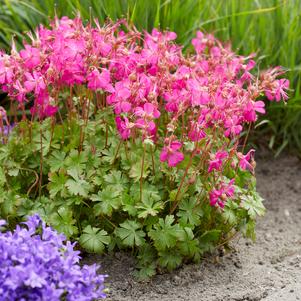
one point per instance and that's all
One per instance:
(36, 263)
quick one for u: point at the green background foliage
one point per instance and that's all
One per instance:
(271, 28)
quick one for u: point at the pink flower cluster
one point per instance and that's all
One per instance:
(148, 82)
(222, 194)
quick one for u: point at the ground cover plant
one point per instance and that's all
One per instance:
(38, 264)
(121, 141)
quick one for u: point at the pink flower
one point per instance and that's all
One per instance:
(219, 196)
(6, 72)
(97, 80)
(199, 95)
(247, 76)
(3, 116)
(171, 154)
(30, 56)
(196, 133)
(216, 161)
(232, 126)
(149, 111)
(215, 52)
(251, 108)
(34, 82)
(120, 98)
(20, 91)
(146, 125)
(244, 160)
(199, 42)
(44, 105)
(277, 92)
(50, 110)
(123, 127)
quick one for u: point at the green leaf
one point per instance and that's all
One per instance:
(56, 161)
(135, 171)
(250, 230)
(93, 160)
(57, 184)
(9, 202)
(190, 212)
(164, 233)
(116, 179)
(130, 235)
(147, 255)
(63, 221)
(190, 247)
(209, 239)
(170, 259)
(148, 192)
(13, 172)
(78, 187)
(229, 213)
(108, 199)
(2, 176)
(75, 162)
(149, 207)
(94, 239)
(109, 155)
(253, 204)
(145, 272)
(128, 204)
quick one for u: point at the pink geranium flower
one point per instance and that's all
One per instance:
(123, 127)
(31, 56)
(251, 108)
(98, 81)
(171, 154)
(233, 127)
(148, 111)
(244, 160)
(216, 161)
(147, 114)
(277, 92)
(218, 197)
(34, 82)
(120, 98)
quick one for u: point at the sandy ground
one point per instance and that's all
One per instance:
(268, 270)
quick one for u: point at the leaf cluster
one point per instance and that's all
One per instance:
(100, 196)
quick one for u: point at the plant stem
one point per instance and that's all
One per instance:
(153, 161)
(107, 133)
(176, 202)
(41, 161)
(117, 151)
(142, 171)
(246, 138)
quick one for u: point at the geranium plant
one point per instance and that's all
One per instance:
(127, 142)
(37, 263)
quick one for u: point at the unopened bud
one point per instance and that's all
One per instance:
(133, 77)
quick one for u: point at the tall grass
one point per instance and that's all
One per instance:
(271, 28)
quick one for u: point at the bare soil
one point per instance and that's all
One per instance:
(268, 270)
